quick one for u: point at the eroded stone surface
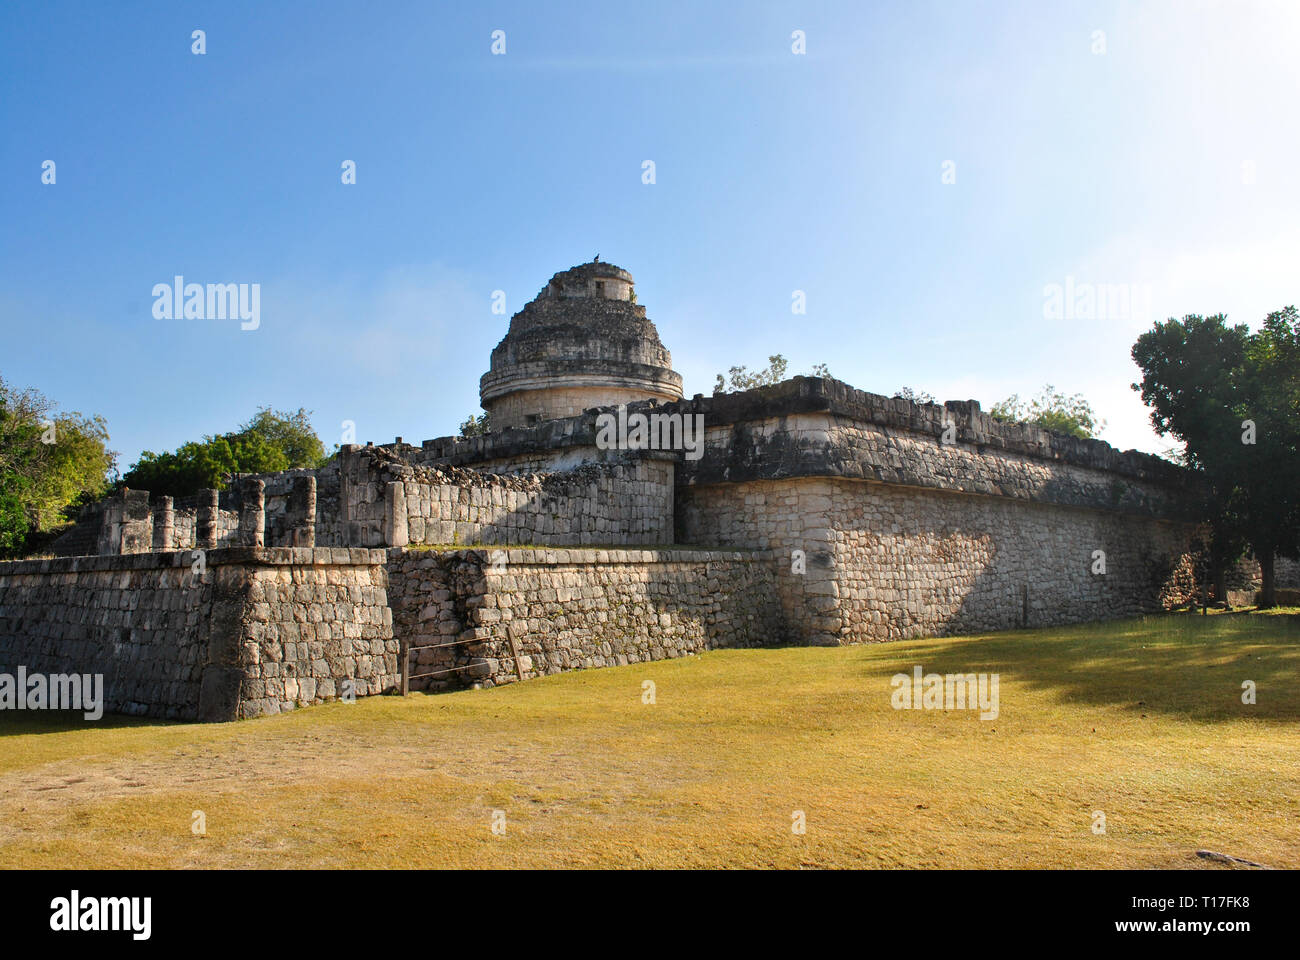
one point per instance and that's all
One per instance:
(816, 513)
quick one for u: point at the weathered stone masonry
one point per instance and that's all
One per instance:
(515, 614)
(260, 631)
(818, 514)
(906, 535)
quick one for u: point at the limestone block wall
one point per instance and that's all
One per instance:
(616, 500)
(524, 613)
(313, 619)
(820, 443)
(260, 631)
(913, 519)
(882, 453)
(787, 517)
(884, 562)
(391, 502)
(184, 520)
(911, 563)
(135, 619)
(433, 594)
(616, 505)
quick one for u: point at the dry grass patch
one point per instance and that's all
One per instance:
(1140, 719)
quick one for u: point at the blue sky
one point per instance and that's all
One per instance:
(1157, 157)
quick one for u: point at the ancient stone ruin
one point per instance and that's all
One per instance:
(809, 513)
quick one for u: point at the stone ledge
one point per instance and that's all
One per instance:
(555, 556)
(221, 556)
(820, 395)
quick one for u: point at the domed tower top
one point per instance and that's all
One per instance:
(602, 281)
(582, 342)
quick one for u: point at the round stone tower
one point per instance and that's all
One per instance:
(582, 342)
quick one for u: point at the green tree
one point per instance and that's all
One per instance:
(50, 463)
(1051, 410)
(289, 433)
(475, 426)
(1270, 484)
(269, 442)
(742, 379)
(1233, 399)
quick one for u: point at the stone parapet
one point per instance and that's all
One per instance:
(205, 635)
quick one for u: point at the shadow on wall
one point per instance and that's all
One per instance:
(914, 563)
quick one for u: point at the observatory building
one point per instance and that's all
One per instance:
(583, 342)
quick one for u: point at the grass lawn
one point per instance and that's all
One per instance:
(1141, 720)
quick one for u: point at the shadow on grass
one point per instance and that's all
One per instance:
(15, 723)
(1176, 665)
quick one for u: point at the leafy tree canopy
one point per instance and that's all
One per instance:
(1052, 410)
(270, 441)
(1233, 398)
(742, 379)
(50, 463)
(475, 426)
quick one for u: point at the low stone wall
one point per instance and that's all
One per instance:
(618, 504)
(134, 619)
(255, 631)
(315, 618)
(515, 614)
(432, 594)
(1247, 575)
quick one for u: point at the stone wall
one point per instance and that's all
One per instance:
(820, 443)
(258, 631)
(1246, 579)
(920, 519)
(883, 562)
(514, 614)
(131, 618)
(391, 502)
(817, 514)
(914, 564)
(315, 618)
(433, 594)
(376, 497)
